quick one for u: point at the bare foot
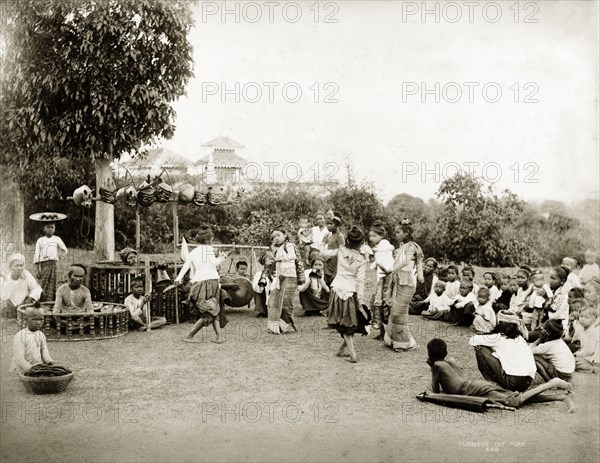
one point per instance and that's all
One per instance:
(188, 339)
(379, 337)
(557, 383)
(218, 341)
(340, 354)
(570, 401)
(351, 360)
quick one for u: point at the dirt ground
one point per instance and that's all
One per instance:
(259, 397)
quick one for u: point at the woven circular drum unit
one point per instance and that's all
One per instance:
(108, 320)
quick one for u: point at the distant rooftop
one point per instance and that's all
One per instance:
(223, 143)
(223, 158)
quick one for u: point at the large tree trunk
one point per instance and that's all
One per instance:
(104, 238)
(12, 212)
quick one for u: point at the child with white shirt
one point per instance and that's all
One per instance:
(263, 283)
(490, 280)
(573, 280)
(462, 308)
(48, 250)
(452, 282)
(135, 304)
(485, 317)
(439, 302)
(588, 357)
(540, 294)
(553, 358)
(383, 262)
(29, 344)
(590, 270)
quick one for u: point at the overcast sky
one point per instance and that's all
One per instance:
(372, 65)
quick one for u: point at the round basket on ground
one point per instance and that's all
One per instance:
(46, 384)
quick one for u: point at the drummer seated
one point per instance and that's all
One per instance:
(135, 304)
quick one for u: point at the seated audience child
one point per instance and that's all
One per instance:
(588, 357)
(462, 306)
(424, 288)
(135, 304)
(468, 273)
(590, 270)
(520, 300)
(439, 302)
(574, 329)
(452, 283)
(305, 239)
(573, 280)
(29, 344)
(485, 317)
(447, 377)
(553, 358)
(540, 293)
(442, 274)
(591, 293)
(508, 287)
(490, 280)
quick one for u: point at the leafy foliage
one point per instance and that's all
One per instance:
(84, 80)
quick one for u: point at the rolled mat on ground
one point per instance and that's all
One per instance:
(464, 402)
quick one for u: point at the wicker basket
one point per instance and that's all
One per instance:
(46, 384)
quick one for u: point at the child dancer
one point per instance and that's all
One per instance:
(314, 293)
(588, 357)
(135, 304)
(553, 357)
(384, 261)
(48, 250)
(439, 302)
(346, 311)
(540, 293)
(447, 375)
(29, 344)
(305, 239)
(485, 317)
(590, 270)
(205, 293)
(280, 308)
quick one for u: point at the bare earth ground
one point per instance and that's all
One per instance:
(261, 397)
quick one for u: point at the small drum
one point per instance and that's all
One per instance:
(242, 296)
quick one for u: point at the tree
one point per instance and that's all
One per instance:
(473, 224)
(89, 80)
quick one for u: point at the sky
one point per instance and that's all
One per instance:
(408, 92)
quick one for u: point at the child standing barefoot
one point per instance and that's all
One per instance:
(384, 261)
(205, 292)
(346, 313)
(46, 261)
